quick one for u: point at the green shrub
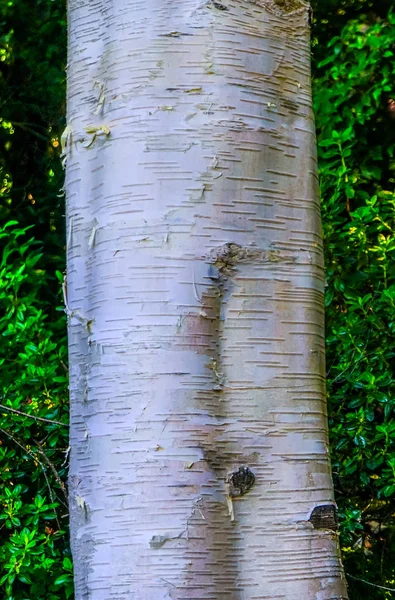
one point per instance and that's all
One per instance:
(353, 88)
(34, 558)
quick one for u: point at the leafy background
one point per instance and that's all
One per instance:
(353, 47)
(354, 68)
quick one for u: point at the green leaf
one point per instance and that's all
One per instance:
(63, 579)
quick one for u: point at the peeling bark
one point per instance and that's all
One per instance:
(199, 449)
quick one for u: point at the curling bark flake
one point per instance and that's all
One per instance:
(199, 462)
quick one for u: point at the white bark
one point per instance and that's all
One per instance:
(195, 297)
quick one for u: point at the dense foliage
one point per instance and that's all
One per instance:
(34, 556)
(353, 61)
(354, 87)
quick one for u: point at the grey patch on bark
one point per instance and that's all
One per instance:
(240, 482)
(324, 517)
(157, 541)
(282, 7)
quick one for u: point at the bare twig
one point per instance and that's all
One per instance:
(64, 366)
(23, 414)
(30, 129)
(51, 494)
(53, 469)
(381, 587)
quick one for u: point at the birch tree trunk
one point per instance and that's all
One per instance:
(199, 449)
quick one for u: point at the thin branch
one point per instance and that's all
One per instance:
(64, 366)
(53, 469)
(51, 495)
(381, 587)
(26, 127)
(21, 446)
(23, 414)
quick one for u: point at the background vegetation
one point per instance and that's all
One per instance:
(355, 115)
(353, 44)
(34, 556)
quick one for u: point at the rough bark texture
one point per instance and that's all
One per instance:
(195, 299)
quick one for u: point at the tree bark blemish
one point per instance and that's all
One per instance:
(213, 4)
(226, 258)
(218, 376)
(289, 6)
(219, 6)
(157, 541)
(282, 7)
(240, 481)
(324, 517)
